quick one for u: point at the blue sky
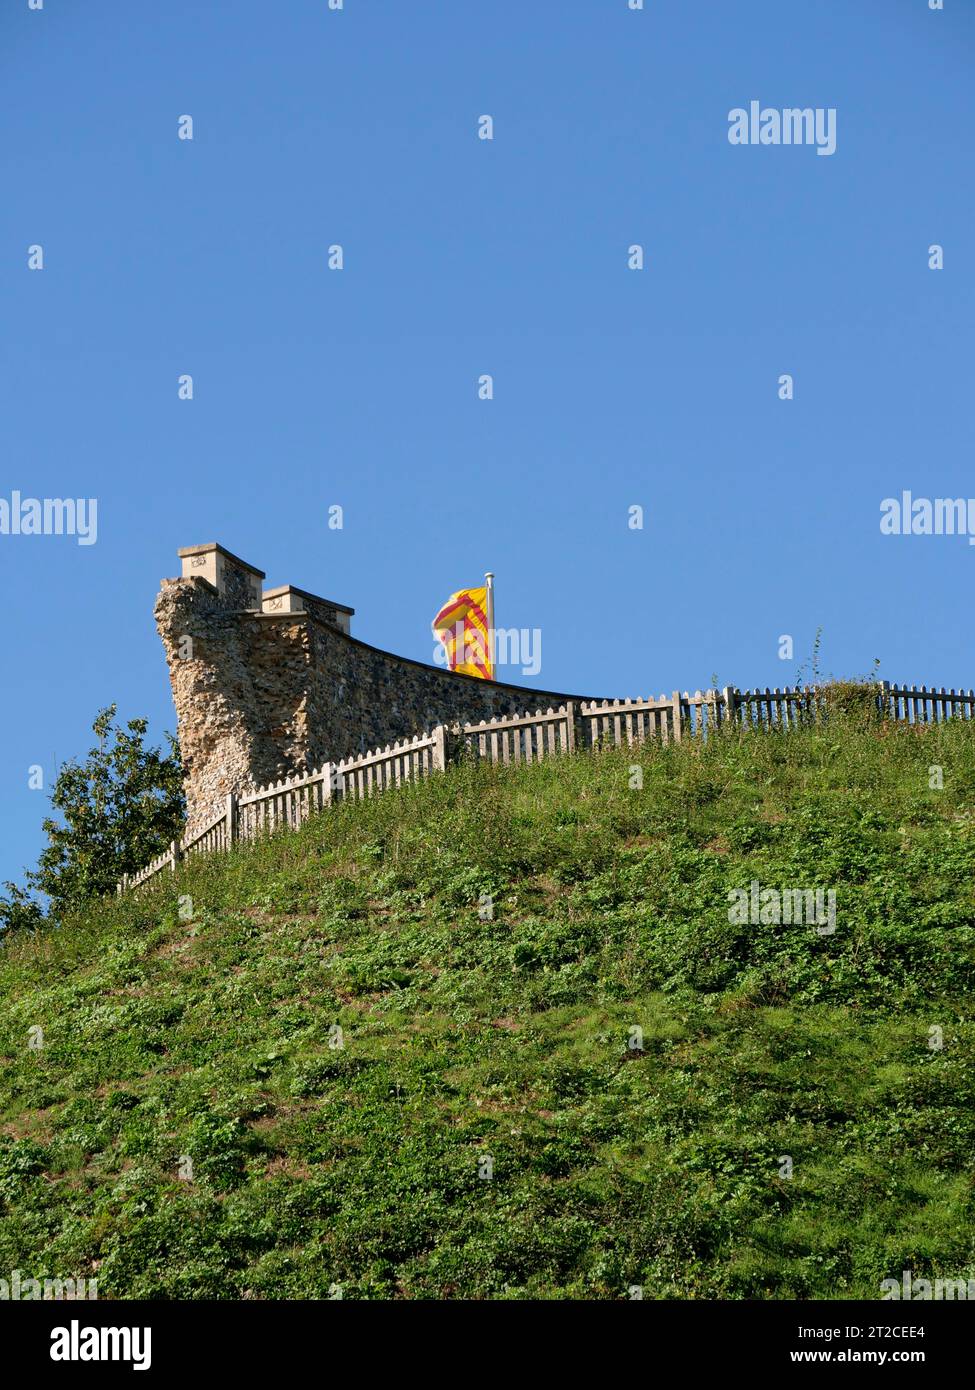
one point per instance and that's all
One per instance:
(358, 387)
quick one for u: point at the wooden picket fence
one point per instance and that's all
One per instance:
(529, 738)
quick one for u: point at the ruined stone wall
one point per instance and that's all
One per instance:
(360, 697)
(261, 696)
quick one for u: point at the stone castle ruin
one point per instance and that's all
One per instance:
(270, 683)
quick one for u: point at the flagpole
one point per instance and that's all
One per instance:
(492, 645)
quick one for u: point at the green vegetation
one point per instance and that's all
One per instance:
(212, 1037)
(118, 809)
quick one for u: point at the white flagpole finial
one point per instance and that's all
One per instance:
(489, 576)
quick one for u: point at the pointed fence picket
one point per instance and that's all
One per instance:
(528, 738)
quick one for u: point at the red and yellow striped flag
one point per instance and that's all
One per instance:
(462, 627)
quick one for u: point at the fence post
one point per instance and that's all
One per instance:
(730, 703)
(570, 726)
(231, 816)
(173, 854)
(440, 748)
(884, 698)
(677, 715)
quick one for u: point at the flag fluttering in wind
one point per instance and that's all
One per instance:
(463, 626)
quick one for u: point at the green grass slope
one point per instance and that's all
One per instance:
(486, 1130)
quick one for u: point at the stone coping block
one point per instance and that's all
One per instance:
(293, 600)
(234, 579)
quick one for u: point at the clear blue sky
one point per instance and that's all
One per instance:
(612, 387)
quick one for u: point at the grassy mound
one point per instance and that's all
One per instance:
(602, 1085)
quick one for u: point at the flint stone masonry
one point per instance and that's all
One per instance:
(272, 685)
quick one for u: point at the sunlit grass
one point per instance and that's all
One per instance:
(512, 1037)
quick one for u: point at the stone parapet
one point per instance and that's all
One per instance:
(264, 692)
